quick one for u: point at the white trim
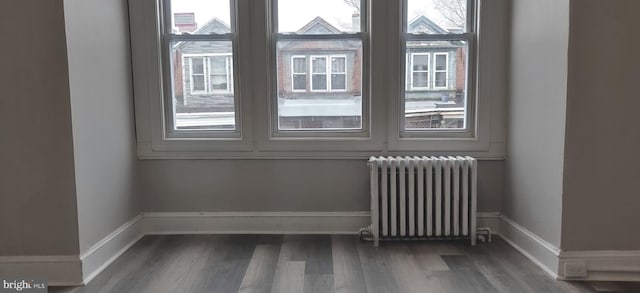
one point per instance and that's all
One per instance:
(445, 71)
(293, 73)
(539, 251)
(107, 250)
(489, 220)
(604, 265)
(330, 73)
(255, 222)
(58, 270)
(412, 71)
(325, 73)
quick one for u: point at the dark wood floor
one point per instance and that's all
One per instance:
(270, 263)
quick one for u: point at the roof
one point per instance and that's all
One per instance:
(424, 25)
(319, 26)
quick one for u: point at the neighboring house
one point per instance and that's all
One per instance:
(203, 72)
(435, 71)
(328, 72)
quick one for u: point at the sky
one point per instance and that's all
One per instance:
(294, 14)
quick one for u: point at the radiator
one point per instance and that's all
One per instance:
(423, 198)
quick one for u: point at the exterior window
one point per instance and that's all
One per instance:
(338, 73)
(200, 99)
(420, 70)
(318, 73)
(197, 75)
(441, 70)
(320, 53)
(299, 73)
(438, 37)
(218, 69)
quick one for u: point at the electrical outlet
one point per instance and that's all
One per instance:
(575, 270)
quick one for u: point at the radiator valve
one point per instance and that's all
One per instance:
(484, 234)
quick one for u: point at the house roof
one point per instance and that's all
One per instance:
(213, 26)
(422, 24)
(319, 26)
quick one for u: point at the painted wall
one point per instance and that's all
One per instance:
(276, 185)
(601, 194)
(37, 191)
(102, 112)
(535, 139)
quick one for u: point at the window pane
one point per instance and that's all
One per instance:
(319, 82)
(420, 79)
(318, 64)
(203, 101)
(436, 16)
(299, 82)
(338, 82)
(299, 65)
(441, 104)
(318, 16)
(420, 62)
(441, 62)
(200, 17)
(333, 99)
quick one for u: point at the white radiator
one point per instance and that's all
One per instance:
(423, 198)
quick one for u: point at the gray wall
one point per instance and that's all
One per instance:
(535, 139)
(102, 112)
(37, 193)
(602, 197)
(276, 185)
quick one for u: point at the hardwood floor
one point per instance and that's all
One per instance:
(294, 263)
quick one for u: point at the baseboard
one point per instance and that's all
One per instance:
(603, 265)
(489, 220)
(105, 251)
(62, 270)
(542, 253)
(255, 222)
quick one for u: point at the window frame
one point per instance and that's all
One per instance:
(305, 138)
(253, 60)
(428, 71)
(166, 42)
(405, 138)
(331, 73)
(294, 73)
(435, 70)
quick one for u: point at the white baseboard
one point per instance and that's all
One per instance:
(76, 270)
(604, 265)
(489, 220)
(105, 251)
(255, 222)
(542, 253)
(63, 270)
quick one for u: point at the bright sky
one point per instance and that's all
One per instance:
(294, 14)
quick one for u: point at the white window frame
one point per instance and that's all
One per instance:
(331, 73)
(325, 73)
(294, 73)
(445, 71)
(207, 72)
(428, 71)
(384, 57)
(228, 68)
(192, 89)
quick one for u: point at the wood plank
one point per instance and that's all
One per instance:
(376, 271)
(464, 276)
(409, 276)
(289, 277)
(347, 269)
(260, 273)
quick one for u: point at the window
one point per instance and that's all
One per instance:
(325, 97)
(441, 70)
(298, 73)
(420, 70)
(438, 36)
(317, 78)
(218, 70)
(199, 97)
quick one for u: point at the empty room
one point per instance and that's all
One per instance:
(319, 146)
